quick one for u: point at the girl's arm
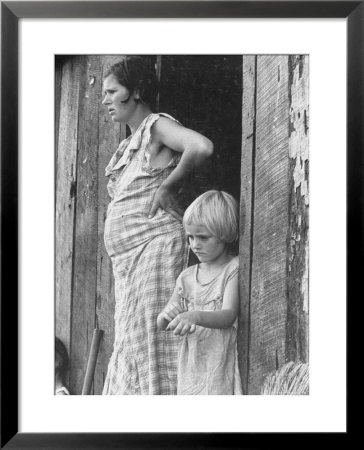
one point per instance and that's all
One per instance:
(210, 319)
(195, 149)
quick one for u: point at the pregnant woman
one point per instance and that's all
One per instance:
(144, 236)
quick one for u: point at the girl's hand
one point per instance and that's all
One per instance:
(167, 315)
(164, 198)
(184, 323)
(171, 311)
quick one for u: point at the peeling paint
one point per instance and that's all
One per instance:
(305, 121)
(291, 127)
(304, 286)
(298, 149)
(300, 65)
(297, 240)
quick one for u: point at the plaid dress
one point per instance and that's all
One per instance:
(147, 257)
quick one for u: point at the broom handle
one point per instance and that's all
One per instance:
(91, 363)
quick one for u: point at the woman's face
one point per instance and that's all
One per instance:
(119, 101)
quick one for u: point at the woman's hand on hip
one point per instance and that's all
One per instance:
(164, 198)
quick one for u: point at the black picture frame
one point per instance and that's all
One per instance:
(11, 12)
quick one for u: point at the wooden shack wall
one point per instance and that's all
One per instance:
(259, 124)
(274, 187)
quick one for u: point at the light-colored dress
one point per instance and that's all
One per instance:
(147, 257)
(207, 361)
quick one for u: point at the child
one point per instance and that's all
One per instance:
(61, 367)
(204, 306)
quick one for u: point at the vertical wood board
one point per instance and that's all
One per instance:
(246, 209)
(57, 98)
(84, 282)
(268, 289)
(297, 266)
(65, 196)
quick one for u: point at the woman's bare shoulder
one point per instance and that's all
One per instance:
(172, 134)
(165, 124)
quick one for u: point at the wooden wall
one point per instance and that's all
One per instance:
(255, 110)
(84, 283)
(274, 186)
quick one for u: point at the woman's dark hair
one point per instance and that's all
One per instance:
(137, 73)
(61, 357)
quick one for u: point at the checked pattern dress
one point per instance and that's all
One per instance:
(147, 257)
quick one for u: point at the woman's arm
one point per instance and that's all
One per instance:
(211, 319)
(195, 149)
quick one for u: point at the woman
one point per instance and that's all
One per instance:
(144, 236)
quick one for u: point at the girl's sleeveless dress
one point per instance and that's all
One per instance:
(207, 361)
(147, 256)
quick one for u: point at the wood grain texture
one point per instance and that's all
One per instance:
(57, 98)
(65, 196)
(297, 264)
(110, 135)
(268, 286)
(85, 254)
(246, 211)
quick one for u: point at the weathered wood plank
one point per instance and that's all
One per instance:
(85, 254)
(65, 196)
(297, 278)
(57, 105)
(268, 309)
(110, 135)
(246, 208)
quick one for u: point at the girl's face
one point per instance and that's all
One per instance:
(119, 101)
(207, 248)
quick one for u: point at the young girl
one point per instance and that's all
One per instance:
(204, 306)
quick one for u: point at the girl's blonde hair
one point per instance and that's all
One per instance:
(218, 212)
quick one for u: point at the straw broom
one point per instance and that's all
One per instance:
(291, 379)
